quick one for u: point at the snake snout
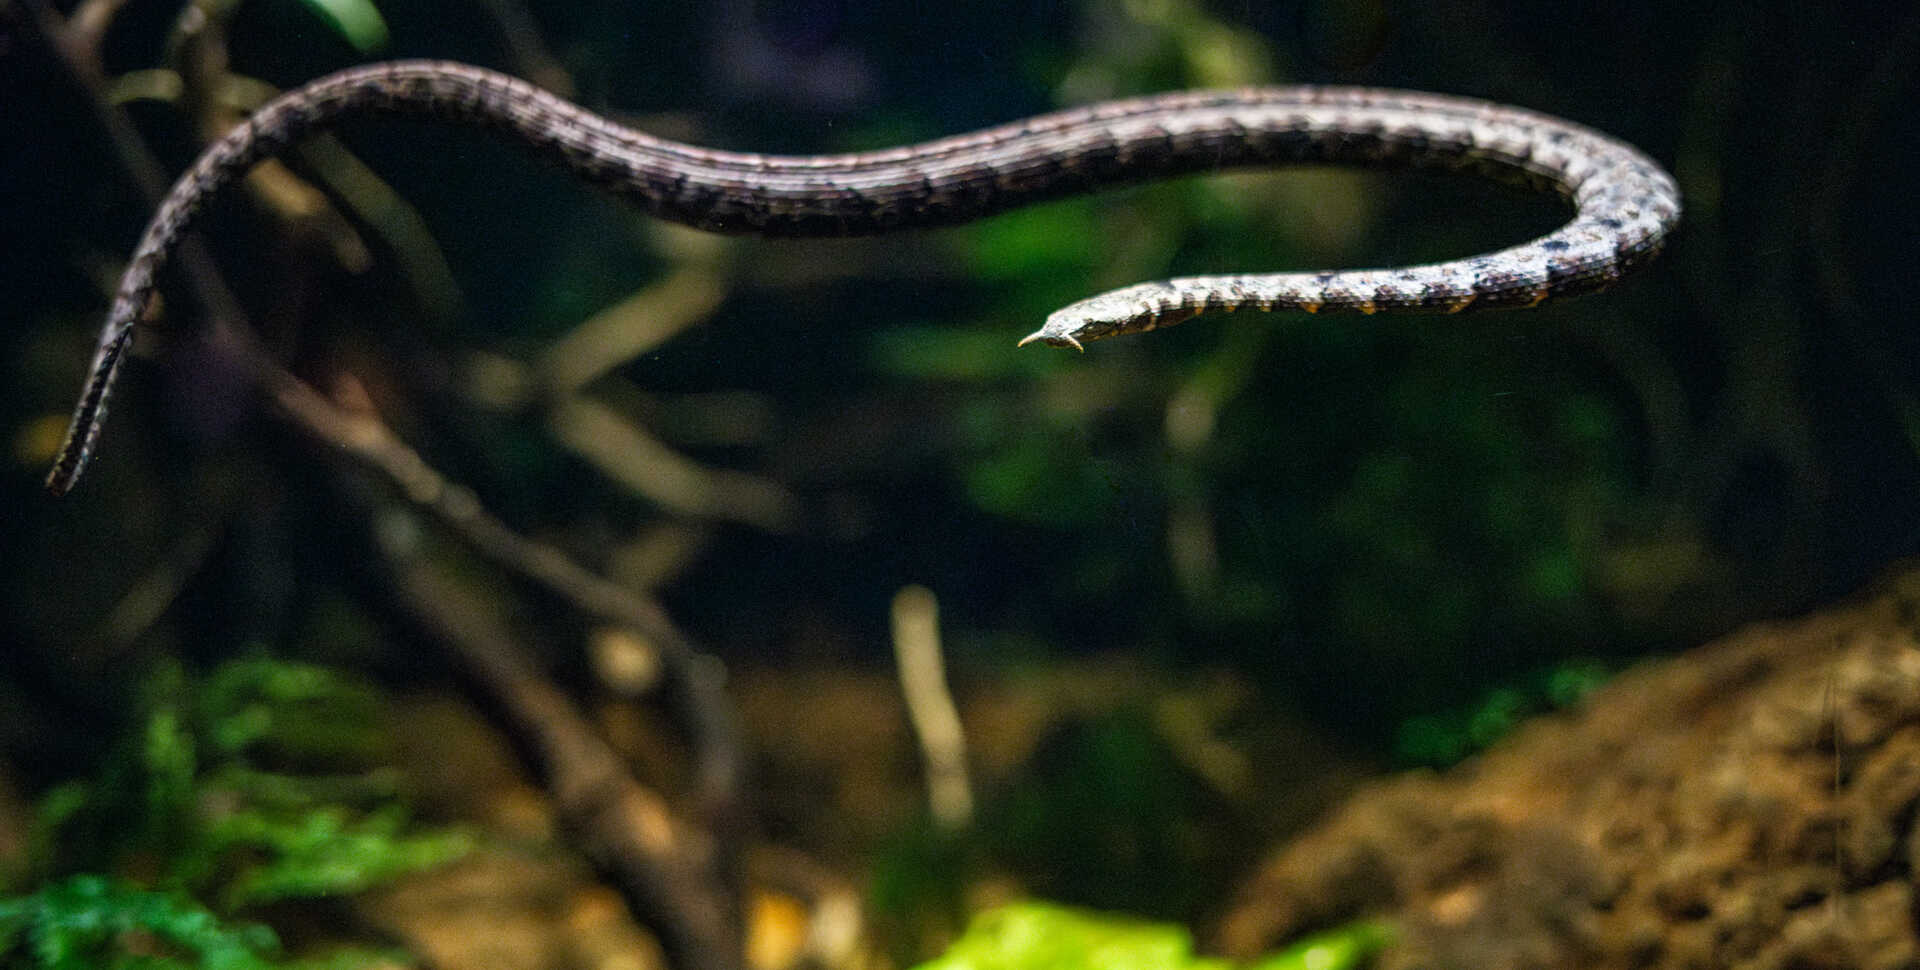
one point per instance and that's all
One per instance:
(1047, 336)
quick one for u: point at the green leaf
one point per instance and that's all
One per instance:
(259, 783)
(358, 22)
(1042, 936)
(1338, 949)
(328, 852)
(89, 921)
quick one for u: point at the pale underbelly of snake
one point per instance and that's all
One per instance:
(1626, 203)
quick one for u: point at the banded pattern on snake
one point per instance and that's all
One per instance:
(1626, 202)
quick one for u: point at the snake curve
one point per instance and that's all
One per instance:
(1626, 203)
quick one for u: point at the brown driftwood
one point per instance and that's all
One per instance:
(1748, 804)
(672, 870)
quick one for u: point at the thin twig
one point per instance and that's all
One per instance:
(676, 873)
(362, 436)
(667, 867)
(143, 169)
(641, 321)
(936, 721)
(663, 864)
(88, 24)
(527, 50)
(715, 736)
(630, 455)
(149, 597)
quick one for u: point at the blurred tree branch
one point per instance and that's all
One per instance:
(675, 870)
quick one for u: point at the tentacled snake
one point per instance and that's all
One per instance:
(1626, 203)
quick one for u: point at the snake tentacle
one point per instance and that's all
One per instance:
(1626, 203)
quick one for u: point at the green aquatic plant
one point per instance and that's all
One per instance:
(1044, 936)
(358, 22)
(95, 923)
(1439, 740)
(1340, 948)
(261, 782)
(1033, 936)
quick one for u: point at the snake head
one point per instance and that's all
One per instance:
(1134, 309)
(1075, 325)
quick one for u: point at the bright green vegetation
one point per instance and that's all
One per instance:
(358, 22)
(95, 923)
(1441, 739)
(1041, 936)
(259, 783)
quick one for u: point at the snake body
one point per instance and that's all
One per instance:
(1626, 202)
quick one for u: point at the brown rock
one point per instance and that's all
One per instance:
(1749, 804)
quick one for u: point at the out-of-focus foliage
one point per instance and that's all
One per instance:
(1341, 948)
(1149, 835)
(95, 923)
(1304, 496)
(357, 21)
(1147, 832)
(916, 893)
(1377, 519)
(1438, 740)
(1043, 936)
(260, 783)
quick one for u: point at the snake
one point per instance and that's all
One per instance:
(1625, 203)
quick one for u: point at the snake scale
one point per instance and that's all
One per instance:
(1626, 203)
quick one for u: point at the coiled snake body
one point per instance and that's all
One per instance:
(1626, 202)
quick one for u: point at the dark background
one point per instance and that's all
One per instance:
(1394, 519)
